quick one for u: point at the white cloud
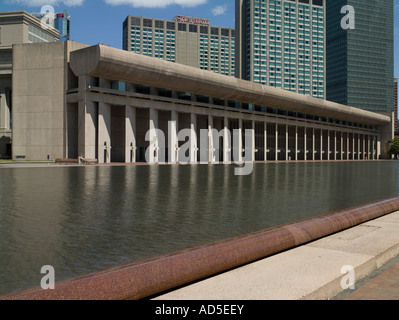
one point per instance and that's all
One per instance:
(40, 3)
(157, 3)
(219, 10)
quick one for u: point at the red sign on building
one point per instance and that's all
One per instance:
(192, 20)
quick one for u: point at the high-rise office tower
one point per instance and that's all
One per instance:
(63, 25)
(185, 40)
(281, 43)
(58, 21)
(360, 53)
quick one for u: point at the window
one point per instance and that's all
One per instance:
(215, 31)
(193, 28)
(159, 24)
(147, 23)
(204, 29)
(135, 21)
(170, 25)
(182, 27)
(225, 32)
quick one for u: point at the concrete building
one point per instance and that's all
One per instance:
(15, 28)
(71, 101)
(189, 41)
(360, 60)
(282, 44)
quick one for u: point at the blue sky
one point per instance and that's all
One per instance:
(100, 21)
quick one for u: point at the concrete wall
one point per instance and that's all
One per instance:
(38, 95)
(40, 82)
(13, 34)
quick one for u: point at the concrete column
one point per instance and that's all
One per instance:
(305, 143)
(368, 148)
(342, 145)
(377, 148)
(335, 145)
(348, 146)
(173, 137)
(364, 147)
(314, 145)
(226, 142)
(4, 110)
(211, 147)
(296, 143)
(87, 122)
(329, 145)
(131, 143)
(153, 155)
(240, 150)
(193, 139)
(277, 150)
(321, 144)
(354, 147)
(253, 145)
(104, 133)
(265, 137)
(287, 137)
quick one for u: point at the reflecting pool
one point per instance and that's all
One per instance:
(85, 219)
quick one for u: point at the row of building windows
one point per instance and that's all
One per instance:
(37, 35)
(121, 86)
(177, 26)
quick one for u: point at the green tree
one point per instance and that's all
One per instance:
(394, 150)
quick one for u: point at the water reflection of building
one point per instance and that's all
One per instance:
(72, 100)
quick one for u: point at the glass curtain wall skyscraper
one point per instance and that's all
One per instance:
(281, 43)
(63, 25)
(360, 60)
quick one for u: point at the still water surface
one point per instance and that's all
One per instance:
(85, 219)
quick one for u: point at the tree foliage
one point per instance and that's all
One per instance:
(394, 150)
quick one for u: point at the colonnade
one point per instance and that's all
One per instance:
(129, 134)
(115, 126)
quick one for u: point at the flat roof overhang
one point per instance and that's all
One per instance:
(115, 64)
